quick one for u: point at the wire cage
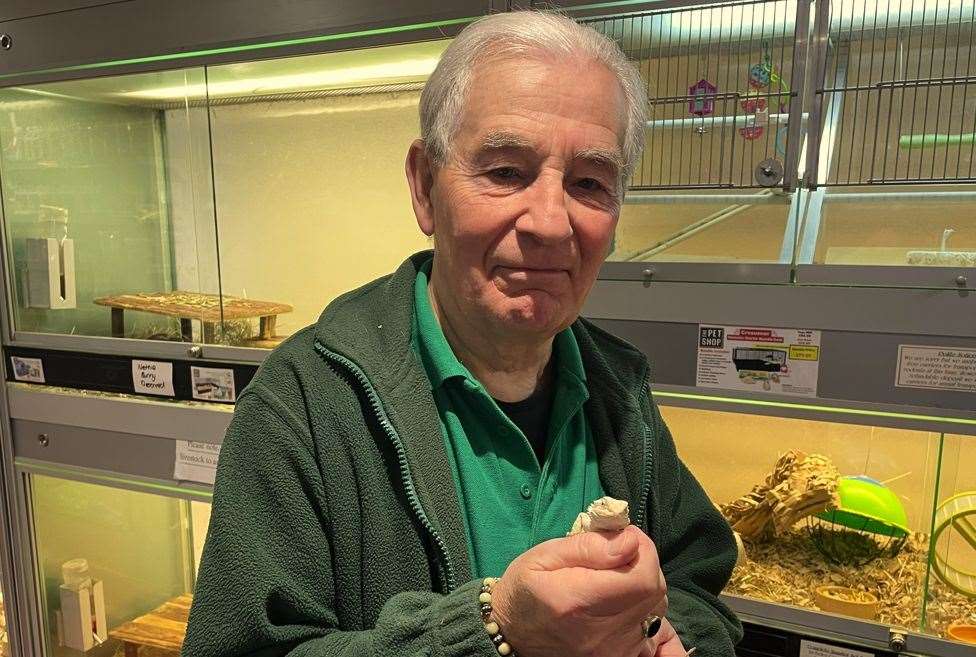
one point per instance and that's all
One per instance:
(895, 93)
(724, 82)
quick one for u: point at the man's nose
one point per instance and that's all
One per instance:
(547, 216)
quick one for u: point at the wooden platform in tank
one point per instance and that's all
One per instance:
(188, 306)
(163, 628)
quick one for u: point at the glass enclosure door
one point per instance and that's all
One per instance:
(950, 608)
(116, 567)
(108, 216)
(224, 205)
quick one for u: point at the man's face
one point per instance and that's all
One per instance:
(524, 208)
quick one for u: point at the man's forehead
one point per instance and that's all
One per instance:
(545, 80)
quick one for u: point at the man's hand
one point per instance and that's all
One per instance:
(582, 596)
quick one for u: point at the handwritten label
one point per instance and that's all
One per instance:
(28, 369)
(151, 377)
(938, 368)
(816, 649)
(196, 461)
(213, 384)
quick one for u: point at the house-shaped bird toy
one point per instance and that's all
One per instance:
(702, 101)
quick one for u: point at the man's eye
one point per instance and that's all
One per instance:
(589, 184)
(506, 173)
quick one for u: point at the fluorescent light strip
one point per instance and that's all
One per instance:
(345, 77)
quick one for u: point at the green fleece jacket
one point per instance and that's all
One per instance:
(336, 528)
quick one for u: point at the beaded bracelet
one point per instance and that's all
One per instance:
(491, 626)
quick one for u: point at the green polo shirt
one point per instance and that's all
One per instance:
(509, 503)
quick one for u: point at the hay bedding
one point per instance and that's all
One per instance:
(784, 566)
(788, 569)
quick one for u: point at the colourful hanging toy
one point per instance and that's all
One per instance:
(702, 95)
(754, 101)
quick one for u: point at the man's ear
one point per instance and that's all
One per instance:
(420, 177)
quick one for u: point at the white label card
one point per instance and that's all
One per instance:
(28, 369)
(759, 359)
(815, 649)
(152, 377)
(213, 384)
(938, 368)
(196, 461)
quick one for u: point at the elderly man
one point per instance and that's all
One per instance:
(443, 426)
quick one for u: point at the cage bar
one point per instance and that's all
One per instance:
(908, 103)
(746, 53)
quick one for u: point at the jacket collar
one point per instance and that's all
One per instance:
(618, 375)
(371, 326)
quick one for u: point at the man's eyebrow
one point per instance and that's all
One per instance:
(501, 140)
(497, 140)
(602, 157)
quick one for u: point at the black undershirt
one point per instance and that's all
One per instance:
(531, 416)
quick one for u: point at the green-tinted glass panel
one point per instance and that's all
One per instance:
(790, 556)
(311, 196)
(128, 552)
(951, 608)
(92, 187)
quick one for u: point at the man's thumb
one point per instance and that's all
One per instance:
(596, 550)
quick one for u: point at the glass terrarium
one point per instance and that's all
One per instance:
(221, 204)
(87, 177)
(116, 567)
(723, 133)
(867, 521)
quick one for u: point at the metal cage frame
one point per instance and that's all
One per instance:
(826, 78)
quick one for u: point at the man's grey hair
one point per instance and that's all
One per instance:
(530, 34)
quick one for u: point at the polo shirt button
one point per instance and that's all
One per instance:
(526, 491)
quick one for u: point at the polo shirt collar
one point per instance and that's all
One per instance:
(435, 352)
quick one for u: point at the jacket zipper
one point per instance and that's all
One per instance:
(405, 478)
(646, 479)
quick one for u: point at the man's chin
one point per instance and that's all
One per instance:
(541, 317)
